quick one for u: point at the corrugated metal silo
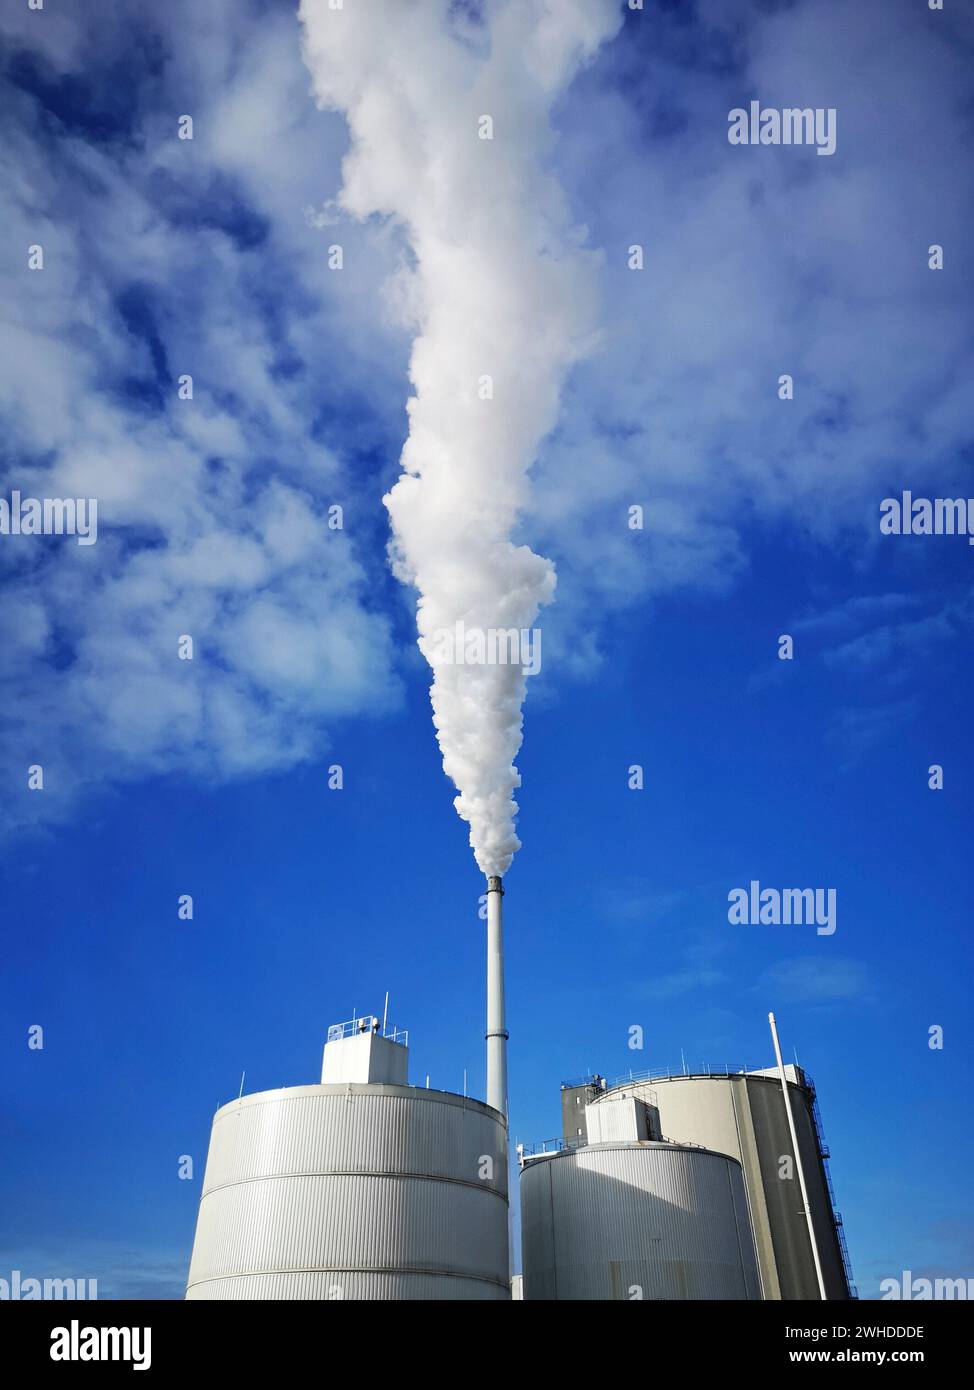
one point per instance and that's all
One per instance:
(354, 1191)
(636, 1221)
(743, 1114)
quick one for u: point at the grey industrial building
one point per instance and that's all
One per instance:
(583, 1201)
(703, 1186)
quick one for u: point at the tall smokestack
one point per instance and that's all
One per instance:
(496, 1032)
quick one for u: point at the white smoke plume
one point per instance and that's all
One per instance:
(500, 287)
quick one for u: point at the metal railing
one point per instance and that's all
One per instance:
(824, 1154)
(655, 1074)
(367, 1023)
(549, 1146)
(553, 1146)
(846, 1262)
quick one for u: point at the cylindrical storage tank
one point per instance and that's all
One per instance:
(743, 1114)
(353, 1191)
(636, 1221)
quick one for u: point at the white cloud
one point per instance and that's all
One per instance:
(815, 980)
(759, 262)
(212, 512)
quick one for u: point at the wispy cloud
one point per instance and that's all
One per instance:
(120, 1271)
(843, 620)
(757, 267)
(634, 899)
(855, 732)
(163, 259)
(815, 980)
(900, 644)
(677, 983)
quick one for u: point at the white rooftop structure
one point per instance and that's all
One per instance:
(361, 1053)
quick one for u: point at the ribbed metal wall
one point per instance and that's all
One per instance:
(743, 1115)
(353, 1191)
(627, 1221)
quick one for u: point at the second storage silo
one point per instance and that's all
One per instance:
(743, 1114)
(632, 1221)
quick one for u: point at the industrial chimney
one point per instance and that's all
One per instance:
(496, 1032)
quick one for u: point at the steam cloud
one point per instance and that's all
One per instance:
(500, 287)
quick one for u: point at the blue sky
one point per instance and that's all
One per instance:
(210, 778)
